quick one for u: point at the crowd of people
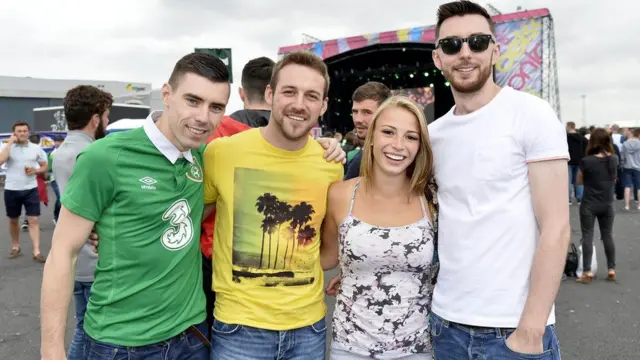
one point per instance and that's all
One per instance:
(209, 235)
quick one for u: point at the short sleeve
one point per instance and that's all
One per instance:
(42, 156)
(544, 137)
(91, 187)
(210, 190)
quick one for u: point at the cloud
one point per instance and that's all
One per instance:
(141, 40)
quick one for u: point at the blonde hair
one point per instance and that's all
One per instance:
(421, 169)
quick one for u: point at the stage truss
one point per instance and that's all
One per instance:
(550, 87)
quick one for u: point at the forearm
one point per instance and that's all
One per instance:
(546, 274)
(4, 154)
(57, 288)
(328, 260)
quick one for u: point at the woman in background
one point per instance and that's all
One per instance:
(380, 228)
(598, 174)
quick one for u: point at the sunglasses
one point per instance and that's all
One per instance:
(453, 45)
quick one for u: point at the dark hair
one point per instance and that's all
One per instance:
(372, 90)
(34, 138)
(202, 64)
(636, 132)
(461, 8)
(256, 75)
(83, 102)
(583, 131)
(302, 58)
(19, 123)
(600, 141)
(571, 125)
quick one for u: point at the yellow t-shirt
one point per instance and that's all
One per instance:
(270, 204)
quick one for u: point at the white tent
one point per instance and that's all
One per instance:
(125, 124)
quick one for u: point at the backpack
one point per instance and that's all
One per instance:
(571, 266)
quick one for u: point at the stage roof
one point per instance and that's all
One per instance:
(333, 47)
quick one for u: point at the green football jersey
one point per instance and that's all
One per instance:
(148, 279)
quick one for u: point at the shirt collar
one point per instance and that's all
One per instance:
(161, 142)
(80, 134)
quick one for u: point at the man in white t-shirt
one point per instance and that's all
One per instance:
(500, 161)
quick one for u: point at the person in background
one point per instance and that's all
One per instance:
(616, 134)
(57, 141)
(591, 128)
(577, 150)
(598, 171)
(25, 161)
(366, 100)
(631, 167)
(86, 109)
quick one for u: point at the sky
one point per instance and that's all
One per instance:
(140, 41)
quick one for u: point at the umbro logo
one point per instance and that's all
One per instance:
(148, 183)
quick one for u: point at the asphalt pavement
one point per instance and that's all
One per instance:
(597, 321)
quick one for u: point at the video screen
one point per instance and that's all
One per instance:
(424, 96)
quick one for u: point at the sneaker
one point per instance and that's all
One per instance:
(55, 222)
(25, 226)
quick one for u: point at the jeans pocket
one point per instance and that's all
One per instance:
(99, 351)
(221, 328)
(435, 325)
(192, 340)
(546, 354)
(319, 327)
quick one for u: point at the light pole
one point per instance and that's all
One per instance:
(584, 109)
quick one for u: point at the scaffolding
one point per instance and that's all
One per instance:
(550, 87)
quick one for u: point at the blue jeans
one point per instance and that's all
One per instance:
(453, 341)
(239, 342)
(81, 292)
(186, 346)
(573, 180)
(56, 209)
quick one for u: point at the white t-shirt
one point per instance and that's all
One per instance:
(487, 228)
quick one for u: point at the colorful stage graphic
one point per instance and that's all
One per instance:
(519, 35)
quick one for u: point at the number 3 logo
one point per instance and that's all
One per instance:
(179, 233)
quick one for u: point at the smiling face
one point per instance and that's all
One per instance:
(466, 70)
(194, 108)
(362, 113)
(396, 140)
(298, 101)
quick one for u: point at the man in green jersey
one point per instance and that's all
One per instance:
(142, 191)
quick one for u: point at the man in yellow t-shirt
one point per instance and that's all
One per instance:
(269, 186)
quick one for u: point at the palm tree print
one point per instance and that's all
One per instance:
(266, 204)
(277, 213)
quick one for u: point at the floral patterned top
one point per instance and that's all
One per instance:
(382, 308)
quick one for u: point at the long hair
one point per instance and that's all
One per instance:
(600, 141)
(421, 169)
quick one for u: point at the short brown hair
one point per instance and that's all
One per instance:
(20, 123)
(82, 102)
(571, 125)
(202, 64)
(372, 90)
(302, 58)
(462, 8)
(421, 170)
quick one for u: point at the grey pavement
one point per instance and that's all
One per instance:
(599, 321)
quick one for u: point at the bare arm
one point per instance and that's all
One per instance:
(70, 235)
(43, 168)
(4, 154)
(329, 240)
(549, 192)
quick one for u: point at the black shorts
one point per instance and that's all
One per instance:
(14, 200)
